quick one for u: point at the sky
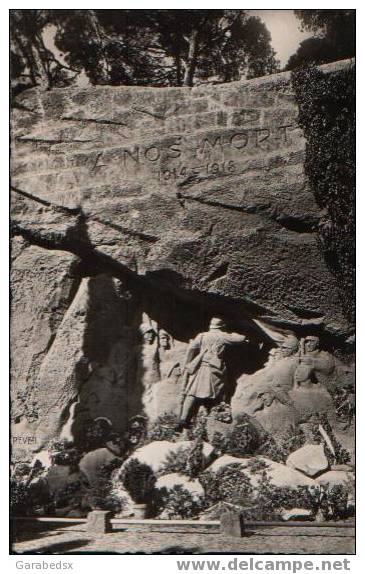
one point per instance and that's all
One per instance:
(284, 28)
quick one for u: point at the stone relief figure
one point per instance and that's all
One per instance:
(313, 363)
(169, 357)
(272, 382)
(288, 347)
(285, 390)
(148, 368)
(148, 372)
(167, 391)
(205, 369)
(136, 432)
(274, 355)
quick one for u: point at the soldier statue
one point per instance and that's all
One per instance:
(205, 370)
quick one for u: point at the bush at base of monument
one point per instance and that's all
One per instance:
(139, 480)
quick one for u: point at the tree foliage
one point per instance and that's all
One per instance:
(334, 40)
(31, 62)
(327, 116)
(140, 47)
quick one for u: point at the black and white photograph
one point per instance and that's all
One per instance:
(182, 283)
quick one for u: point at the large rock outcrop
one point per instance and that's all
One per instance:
(202, 188)
(175, 202)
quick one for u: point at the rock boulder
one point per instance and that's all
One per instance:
(92, 462)
(309, 459)
(156, 453)
(335, 477)
(297, 514)
(280, 474)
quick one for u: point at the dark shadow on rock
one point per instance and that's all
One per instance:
(116, 300)
(110, 350)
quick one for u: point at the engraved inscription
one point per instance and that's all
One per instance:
(213, 168)
(22, 440)
(215, 153)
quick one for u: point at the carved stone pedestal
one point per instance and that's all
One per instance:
(98, 522)
(232, 524)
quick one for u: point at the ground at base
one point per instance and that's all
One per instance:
(283, 540)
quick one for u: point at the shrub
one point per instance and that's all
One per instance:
(235, 486)
(176, 461)
(211, 485)
(241, 440)
(139, 480)
(198, 428)
(292, 439)
(185, 460)
(26, 499)
(64, 495)
(62, 452)
(21, 503)
(256, 465)
(279, 449)
(266, 501)
(337, 505)
(222, 412)
(344, 401)
(269, 501)
(164, 428)
(327, 115)
(101, 493)
(195, 461)
(179, 503)
(271, 449)
(229, 484)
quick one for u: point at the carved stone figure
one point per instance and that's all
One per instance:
(148, 333)
(269, 387)
(312, 363)
(169, 357)
(148, 364)
(205, 368)
(166, 393)
(289, 346)
(285, 391)
(137, 428)
(274, 355)
(165, 339)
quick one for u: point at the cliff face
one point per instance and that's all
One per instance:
(171, 202)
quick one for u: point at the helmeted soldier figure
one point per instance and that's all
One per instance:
(205, 369)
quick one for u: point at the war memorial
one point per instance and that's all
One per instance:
(181, 344)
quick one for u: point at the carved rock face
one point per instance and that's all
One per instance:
(199, 192)
(202, 188)
(290, 391)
